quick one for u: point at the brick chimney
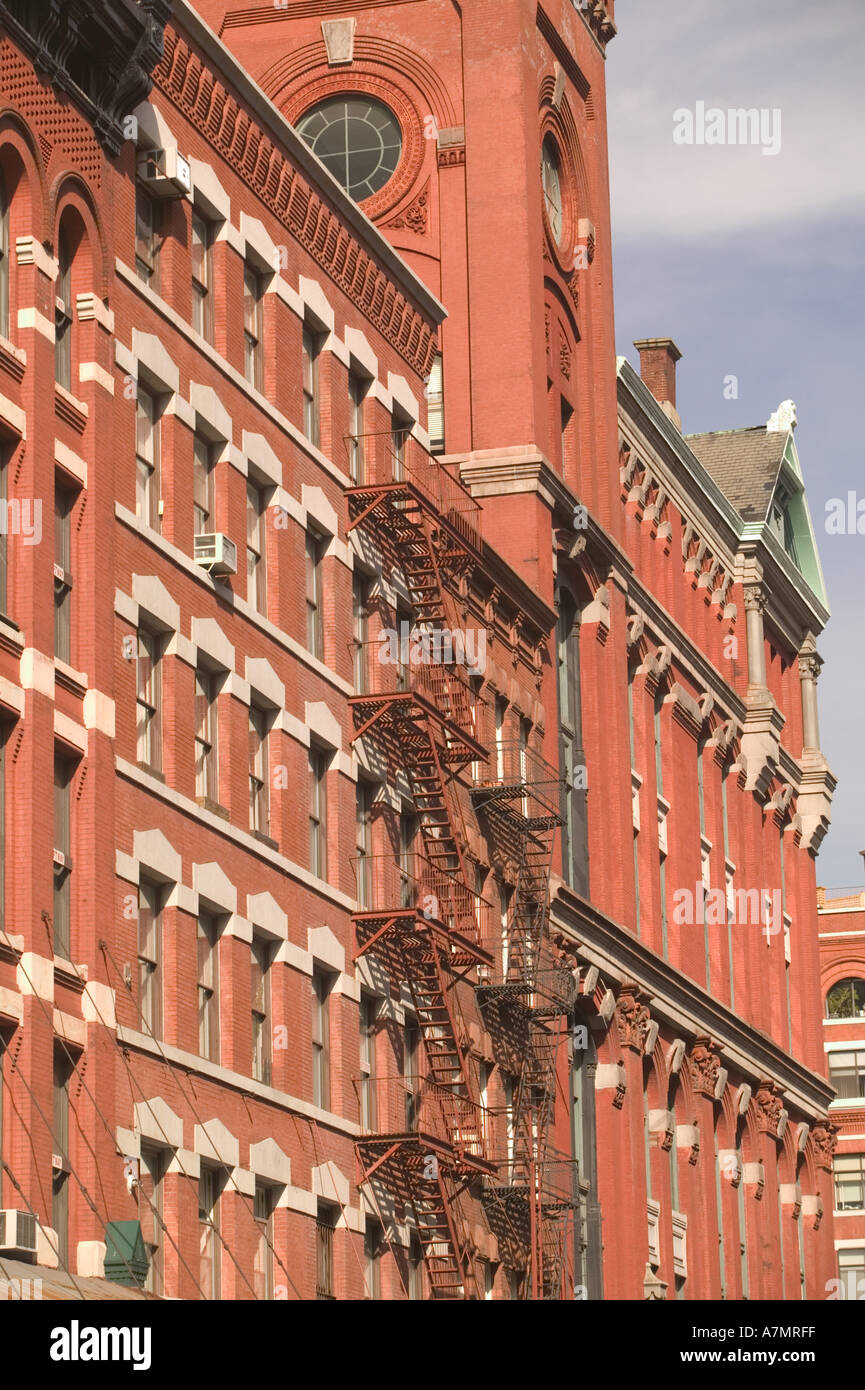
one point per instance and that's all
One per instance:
(658, 358)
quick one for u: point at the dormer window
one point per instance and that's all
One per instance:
(781, 523)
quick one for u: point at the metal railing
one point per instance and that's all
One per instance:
(518, 776)
(389, 882)
(435, 662)
(419, 1105)
(388, 460)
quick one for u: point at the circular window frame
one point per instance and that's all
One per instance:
(352, 85)
(563, 250)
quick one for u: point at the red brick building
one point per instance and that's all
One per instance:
(293, 984)
(842, 978)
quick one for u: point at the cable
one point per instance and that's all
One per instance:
(106, 1125)
(103, 946)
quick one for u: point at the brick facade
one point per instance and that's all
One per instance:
(639, 637)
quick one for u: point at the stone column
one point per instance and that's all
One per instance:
(755, 603)
(809, 670)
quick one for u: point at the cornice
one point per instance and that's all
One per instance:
(717, 514)
(110, 45)
(684, 1004)
(301, 192)
(498, 472)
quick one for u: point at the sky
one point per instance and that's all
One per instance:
(755, 265)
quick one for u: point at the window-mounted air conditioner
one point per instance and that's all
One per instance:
(17, 1232)
(165, 173)
(216, 553)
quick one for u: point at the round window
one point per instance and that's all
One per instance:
(551, 179)
(358, 140)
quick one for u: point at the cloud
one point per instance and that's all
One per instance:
(806, 64)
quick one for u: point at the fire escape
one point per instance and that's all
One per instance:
(420, 918)
(428, 1143)
(533, 1205)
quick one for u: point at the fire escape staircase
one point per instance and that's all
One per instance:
(426, 525)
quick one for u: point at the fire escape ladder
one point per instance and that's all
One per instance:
(437, 1022)
(446, 1252)
(441, 820)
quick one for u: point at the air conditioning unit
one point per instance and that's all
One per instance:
(165, 173)
(216, 553)
(17, 1233)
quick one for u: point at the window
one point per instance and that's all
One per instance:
(403, 628)
(4, 732)
(408, 828)
(148, 699)
(151, 1213)
(310, 387)
(64, 501)
(325, 1223)
(256, 552)
(357, 389)
(369, 1008)
(209, 1273)
(6, 451)
(846, 999)
(63, 1069)
(851, 1268)
(399, 432)
(63, 773)
(411, 1070)
(203, 476)
(575, 852)
(314, 625)
(435, 406)
(264, 1202)
(146, 238)
(147, 476)
(360, 631)
(261, 954)
(208, 987)
(415, 1268)
(552, 184)
(357, 139)
(202, 277)
(259, 787)
(63, 314)
(847, 1074)
(363, 842)
(253, 328)
(500, 711)
(373, 1249)
(322, 983)
(150, 957)
(567, 413)
(206, 737)
(318, 761)
(4, 259)
(849, 1182)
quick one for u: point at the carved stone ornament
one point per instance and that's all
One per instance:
(415, 217)
(769, 1104)
(99, 53)
(632, 1018)
(755, 599)
(705, 1066)
(824, 1137)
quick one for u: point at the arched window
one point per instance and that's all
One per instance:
(63, 313)
(4, 259)
(358, 139)
(846, 999)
